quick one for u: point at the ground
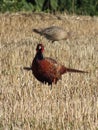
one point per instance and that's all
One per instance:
(27, 104)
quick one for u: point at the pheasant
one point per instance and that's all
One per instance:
(47, 70)
(53, 33)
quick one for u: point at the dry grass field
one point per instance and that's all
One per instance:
(27, 104)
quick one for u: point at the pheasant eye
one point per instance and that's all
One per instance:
(40, 47)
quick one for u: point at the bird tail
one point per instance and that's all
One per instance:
(75, 70)
(65, 70)
(27, 68)
(37, 31)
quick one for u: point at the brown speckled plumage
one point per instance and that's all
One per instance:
(53, 33)
(47, 70)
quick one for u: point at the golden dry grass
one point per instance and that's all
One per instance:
(27, 104)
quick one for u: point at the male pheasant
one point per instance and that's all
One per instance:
(47, 70)
(53, 33)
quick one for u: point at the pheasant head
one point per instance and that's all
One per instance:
(39, 52)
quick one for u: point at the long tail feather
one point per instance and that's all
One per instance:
(75, 70)
(27, 68)
(65, 70)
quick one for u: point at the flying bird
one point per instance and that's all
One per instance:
(53, 33)
(48, 70)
